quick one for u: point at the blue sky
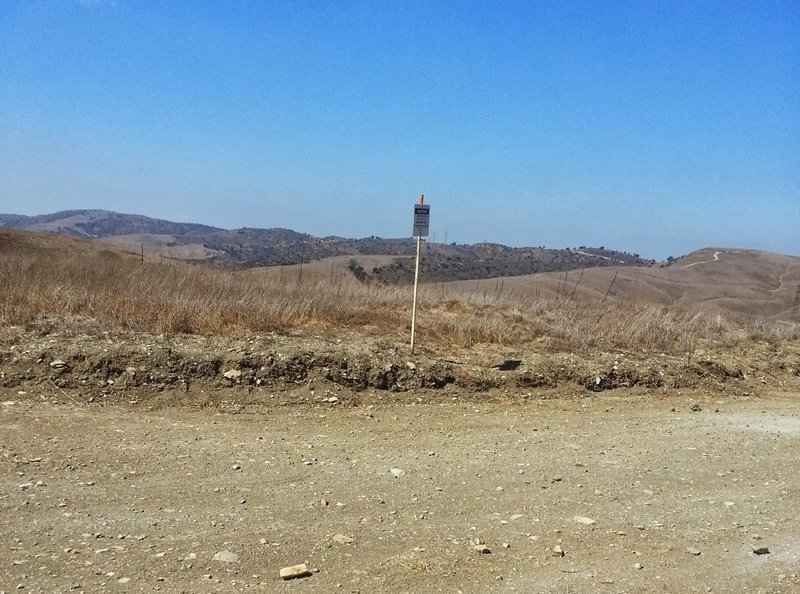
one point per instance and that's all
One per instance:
(652, 127)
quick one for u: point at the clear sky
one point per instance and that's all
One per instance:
(656, 127)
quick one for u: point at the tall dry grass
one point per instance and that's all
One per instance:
(121, 292)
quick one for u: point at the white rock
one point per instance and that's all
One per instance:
(294, 571)
(226, 557)
(584, 520)
(233, 374)
(558, 551)
(397, 472)
(342, 539)
(693, 551)
(57, 363)
(482, 549)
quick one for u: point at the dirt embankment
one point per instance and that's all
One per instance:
(104, 367)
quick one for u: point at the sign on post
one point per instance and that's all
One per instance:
(422, 218)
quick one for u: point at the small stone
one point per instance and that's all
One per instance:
(558, 551)
(342, 539)
(584, 520)
(411, 366)
(693, 551)
(25, 486)
(515, 517)
(397, 472)
(57, 363)
(294, 571)
(638, 566)
(761, 550)
(124, 580)
(332, 399)
(226, 557)
(236, 467)
(232, 374)
(482, 549)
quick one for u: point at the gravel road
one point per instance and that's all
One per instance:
(616, 492)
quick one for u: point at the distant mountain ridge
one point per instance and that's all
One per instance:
(96, 224)
(251, 247)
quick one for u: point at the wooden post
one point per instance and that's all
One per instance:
(416, 284)
(414, 305)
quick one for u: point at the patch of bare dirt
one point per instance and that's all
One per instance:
(639, 492)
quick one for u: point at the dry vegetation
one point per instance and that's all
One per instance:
(41, 280)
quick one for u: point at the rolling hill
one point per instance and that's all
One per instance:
(736, 281)
(250, 247)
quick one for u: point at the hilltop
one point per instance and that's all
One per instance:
(751, 283)
(250, 247)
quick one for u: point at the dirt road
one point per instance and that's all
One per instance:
(641, 493)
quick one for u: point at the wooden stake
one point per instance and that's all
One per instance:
(414, 304)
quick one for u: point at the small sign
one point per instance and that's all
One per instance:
(422, 218)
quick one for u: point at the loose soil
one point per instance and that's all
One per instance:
(127, 466)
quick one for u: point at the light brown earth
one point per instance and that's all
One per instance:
(714, 280)
(109, 483)
(156, 245)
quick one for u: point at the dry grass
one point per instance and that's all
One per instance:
(119, 291)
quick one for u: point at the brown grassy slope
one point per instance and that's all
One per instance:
(158, 245)
(752, 283)
(326, 268)
(46, 277)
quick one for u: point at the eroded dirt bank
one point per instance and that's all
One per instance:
(101, 367)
